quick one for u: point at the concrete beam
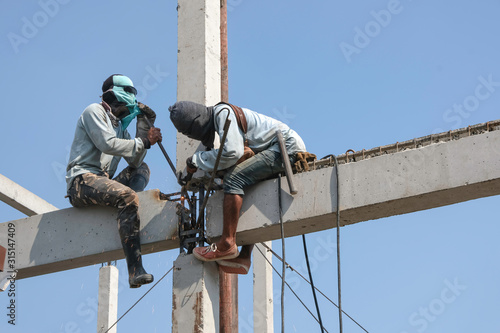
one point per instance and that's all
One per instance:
(76, 237)
(435, 175)
(21, 199)
(398, 183)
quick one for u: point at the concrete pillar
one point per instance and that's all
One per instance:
(195, 296)
(195, 303)
(198, 62)
(262, 290)
(107, 312)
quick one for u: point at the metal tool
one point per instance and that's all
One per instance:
(214, 172)
(162, 148)
(286, 162)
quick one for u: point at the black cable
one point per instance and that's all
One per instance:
(339, 285)
(297, 296)
(123, 315)
(312, 283)
(283, 270)
(303, 278)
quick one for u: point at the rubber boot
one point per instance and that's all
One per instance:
(137, 275)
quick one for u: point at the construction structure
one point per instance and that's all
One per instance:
(412, 175)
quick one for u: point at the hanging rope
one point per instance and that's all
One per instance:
(303, 278)
(297, 296)
(123, 315)
(283, 268)
(312, 283)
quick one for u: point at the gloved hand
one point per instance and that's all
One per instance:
(142, 126)
(190, 167)
(146, 111)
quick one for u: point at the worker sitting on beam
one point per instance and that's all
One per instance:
(250, 154)
(101, 140)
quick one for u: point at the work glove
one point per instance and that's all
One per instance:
(142, 125)
(190, 167)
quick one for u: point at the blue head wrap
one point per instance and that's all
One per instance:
(124, 90)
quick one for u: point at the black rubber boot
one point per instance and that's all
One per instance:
(137, 275)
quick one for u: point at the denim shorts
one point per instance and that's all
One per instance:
(259, 167)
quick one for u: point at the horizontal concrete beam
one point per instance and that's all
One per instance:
(435, 175)
(76, 237)
(416, 179)
(21, 199)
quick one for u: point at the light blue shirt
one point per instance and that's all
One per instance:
(261, 135)
(98, 146)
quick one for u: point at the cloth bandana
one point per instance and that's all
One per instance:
(119, 84)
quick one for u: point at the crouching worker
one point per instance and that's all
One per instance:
(101, 140)
(250, 154)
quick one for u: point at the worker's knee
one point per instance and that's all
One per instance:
(139, 178)
(130, 198)
(251, 171)
(144, 171)
(234, 183)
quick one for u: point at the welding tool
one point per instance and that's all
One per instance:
(286, 162)
(183, 181)
(162, 148)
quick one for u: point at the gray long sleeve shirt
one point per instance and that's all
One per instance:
(261, 135)
(98, 146)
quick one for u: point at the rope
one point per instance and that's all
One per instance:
(303, 278)
(283, 268)
(123, 315)
(303, 304)
(312, 283)
(339, 286)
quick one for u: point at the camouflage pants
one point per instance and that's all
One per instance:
(90, 189)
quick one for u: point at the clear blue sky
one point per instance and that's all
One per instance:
(343, 74)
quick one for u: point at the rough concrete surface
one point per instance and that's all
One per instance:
(402, 182)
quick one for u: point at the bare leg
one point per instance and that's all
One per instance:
(231, 211)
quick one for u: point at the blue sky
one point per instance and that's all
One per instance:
(345, 75)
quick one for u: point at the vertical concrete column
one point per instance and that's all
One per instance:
(108, 299)
(195, 299)
(262, 290)
(198, 62)
(196, 284)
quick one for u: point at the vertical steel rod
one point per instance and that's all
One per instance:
(228, 283)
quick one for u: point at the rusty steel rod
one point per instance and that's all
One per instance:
(286, 162)
(162, 149)
(228, 283)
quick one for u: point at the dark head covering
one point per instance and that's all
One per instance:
(194, 120)
(108, 83)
